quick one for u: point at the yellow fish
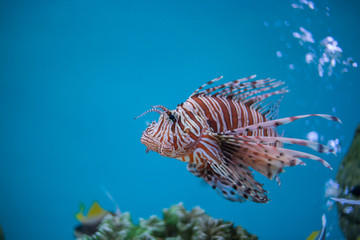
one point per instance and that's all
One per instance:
(91, 220)
(319, 235)
(313, 235)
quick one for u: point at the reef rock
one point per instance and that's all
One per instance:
(348, 178)
(177, 224)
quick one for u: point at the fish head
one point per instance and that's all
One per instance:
(172, 135)
(156, 137)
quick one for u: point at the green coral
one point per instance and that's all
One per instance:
(177, 224)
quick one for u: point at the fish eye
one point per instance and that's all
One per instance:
(172, 117)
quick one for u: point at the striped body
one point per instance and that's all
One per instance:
(220, 114)
(223, 131)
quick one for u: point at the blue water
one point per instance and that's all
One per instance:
(74, 74)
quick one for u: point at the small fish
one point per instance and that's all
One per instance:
(319, 235)
(224, 131)
(91, 221)
(346, 201)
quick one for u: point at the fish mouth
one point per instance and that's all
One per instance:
(161, 147)
(149, 142)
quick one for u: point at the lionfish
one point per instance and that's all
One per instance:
(224, 131)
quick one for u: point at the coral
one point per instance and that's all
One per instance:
(348, 178)
(177, 224)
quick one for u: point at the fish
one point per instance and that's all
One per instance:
(319, 235)
(224, 132)
(346, 201)
(90, 221)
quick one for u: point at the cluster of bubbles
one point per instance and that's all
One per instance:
(304, 36)
(303, 3)
(330, 54)
(325, 54)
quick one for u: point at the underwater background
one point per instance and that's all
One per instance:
(74, 74)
